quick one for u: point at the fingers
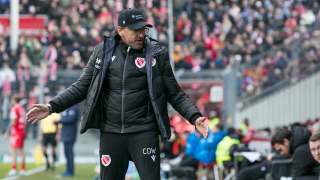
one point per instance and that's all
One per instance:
(31, 117)
(35, 120)
(205, 134)
(31, 113)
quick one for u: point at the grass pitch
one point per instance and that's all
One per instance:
(82, 172)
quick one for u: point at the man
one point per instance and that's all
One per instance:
(17, 127)
(127, 84)
(314, 144)
(213, 119)
(294, 143)
(48, 133)
(226, 147)
(244, 127)
(67, 134)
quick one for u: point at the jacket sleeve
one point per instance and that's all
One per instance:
(302, 162)
(175, 96)
(77, 92)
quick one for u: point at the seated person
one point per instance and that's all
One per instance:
(193, 141)
(206, 149)
(294, 143)
(314, 144)
(259, 169)
(227, 147)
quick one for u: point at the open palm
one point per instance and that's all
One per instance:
(38, 112)
(202, 126)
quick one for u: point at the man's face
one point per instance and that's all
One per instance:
(315, 150)
(283, 148)
(133, 38)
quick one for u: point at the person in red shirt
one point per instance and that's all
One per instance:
(17, 127)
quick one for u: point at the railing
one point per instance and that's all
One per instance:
(184, 76)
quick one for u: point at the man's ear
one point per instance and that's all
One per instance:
(286, 142)
(120, 31)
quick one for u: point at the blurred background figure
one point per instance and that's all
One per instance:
(48, 135)
(17, 128)
(67, 134)
(244, 127)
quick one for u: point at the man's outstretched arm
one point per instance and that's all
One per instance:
(180, 101)
(76, 93)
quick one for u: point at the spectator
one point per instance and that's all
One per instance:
(295, 143)
(24, 67)
(314, 144)
(5, 73)
(36, 53)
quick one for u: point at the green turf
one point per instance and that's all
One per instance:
(5, 168)
(82, 172)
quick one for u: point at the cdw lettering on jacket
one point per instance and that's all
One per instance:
(149, 150)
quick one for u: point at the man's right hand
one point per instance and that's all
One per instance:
(38, 112)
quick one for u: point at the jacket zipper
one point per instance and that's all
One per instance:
(122, 97)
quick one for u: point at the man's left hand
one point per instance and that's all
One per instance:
(202, 126)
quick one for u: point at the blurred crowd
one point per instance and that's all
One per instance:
(220, 34)
(282, 64)
(73, 29)
(208, 35)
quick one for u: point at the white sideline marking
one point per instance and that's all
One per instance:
(29, 172)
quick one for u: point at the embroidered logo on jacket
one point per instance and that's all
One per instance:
(140, 62)
(97, 65)
(154, 61)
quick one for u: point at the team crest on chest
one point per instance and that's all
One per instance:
(154, 61)
(140, 62)
(105, 160)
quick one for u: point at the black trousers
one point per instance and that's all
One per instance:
(117, 149)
